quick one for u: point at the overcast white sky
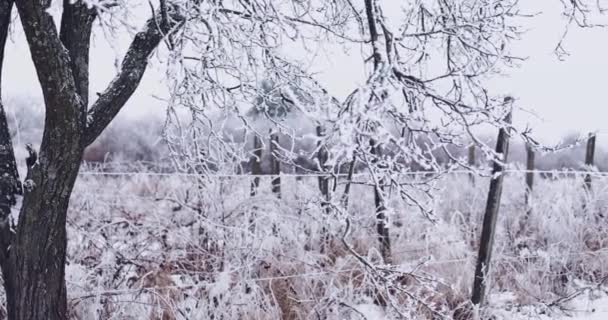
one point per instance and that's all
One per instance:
(567, 95)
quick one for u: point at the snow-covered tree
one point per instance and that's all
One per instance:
(425, 90)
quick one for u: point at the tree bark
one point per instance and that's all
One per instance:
(76, 26)
(380, 205)
(33, 257)
(9, 176)
(37, 256)
(376, 147)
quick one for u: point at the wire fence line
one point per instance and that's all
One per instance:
(330, 175)
(425, 259)
(423, 262)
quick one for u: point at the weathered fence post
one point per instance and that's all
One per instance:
(530, 159)
(489, 220)
(275, 164)
(589, 155)
(256, 171)
(471, 162)
(322, 156)
(256, 164)
(349, 180)
(381, 218)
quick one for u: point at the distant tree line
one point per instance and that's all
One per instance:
(139, 141)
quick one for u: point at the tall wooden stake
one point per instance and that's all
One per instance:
(256, 171)
(471, 162)
(530, 157)
(322, 156)
(275, 164)
(589, 155)
(490, 217)
(349, 181)
(256, 164)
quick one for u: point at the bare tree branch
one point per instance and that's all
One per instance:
(75, 34)
(52, 64)
(128, 78)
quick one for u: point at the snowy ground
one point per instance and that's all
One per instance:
(582, 308)
(173, 248)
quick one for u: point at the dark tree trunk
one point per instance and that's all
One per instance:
(33, 257)
(38, 255)
(381, 218)
(376, 148)
(9, 177)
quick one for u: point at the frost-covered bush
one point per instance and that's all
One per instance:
(192, 247)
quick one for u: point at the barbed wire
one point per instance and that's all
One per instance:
(337, 175)
(428, 262)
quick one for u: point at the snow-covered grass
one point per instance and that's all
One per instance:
(175, 247)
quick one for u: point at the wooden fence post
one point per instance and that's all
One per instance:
(256, 164)
(471, 162)
(275, 164)
(322, 156)
(530, 159)
(589, 155)
(489, 220)
(256, 171)
(349, 180)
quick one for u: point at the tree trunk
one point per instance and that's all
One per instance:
(36, 258)
(36, 286)
(9, 176)
(381, 218)
(33, 256)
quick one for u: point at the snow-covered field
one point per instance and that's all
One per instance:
(181, 247)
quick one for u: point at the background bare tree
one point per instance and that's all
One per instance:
(425, 92)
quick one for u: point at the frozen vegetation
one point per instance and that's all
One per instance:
(149, 246)
(275, 186)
